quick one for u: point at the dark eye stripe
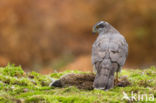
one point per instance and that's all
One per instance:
(100, 26)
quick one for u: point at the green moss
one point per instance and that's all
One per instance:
(58, 75)
(17, 86)
(5, 100)
(59, 99)
(12, 70)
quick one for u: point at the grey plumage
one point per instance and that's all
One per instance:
(109, 53)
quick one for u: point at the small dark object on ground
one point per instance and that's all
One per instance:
(84, 81)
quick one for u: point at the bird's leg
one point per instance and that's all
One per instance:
(116, 79)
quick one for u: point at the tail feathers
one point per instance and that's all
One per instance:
(104, 79)
(110, 83)
(100, 82)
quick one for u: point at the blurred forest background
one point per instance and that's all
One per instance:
(47, 35)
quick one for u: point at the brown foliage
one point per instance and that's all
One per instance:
(37, 31)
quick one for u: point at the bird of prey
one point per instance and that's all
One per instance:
(109, 53)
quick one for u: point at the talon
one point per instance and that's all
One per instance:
(116, 81)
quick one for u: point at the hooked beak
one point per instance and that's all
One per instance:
(94, 29)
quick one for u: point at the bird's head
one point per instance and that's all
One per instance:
(101, 26)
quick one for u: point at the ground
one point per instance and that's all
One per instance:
(16, 86)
